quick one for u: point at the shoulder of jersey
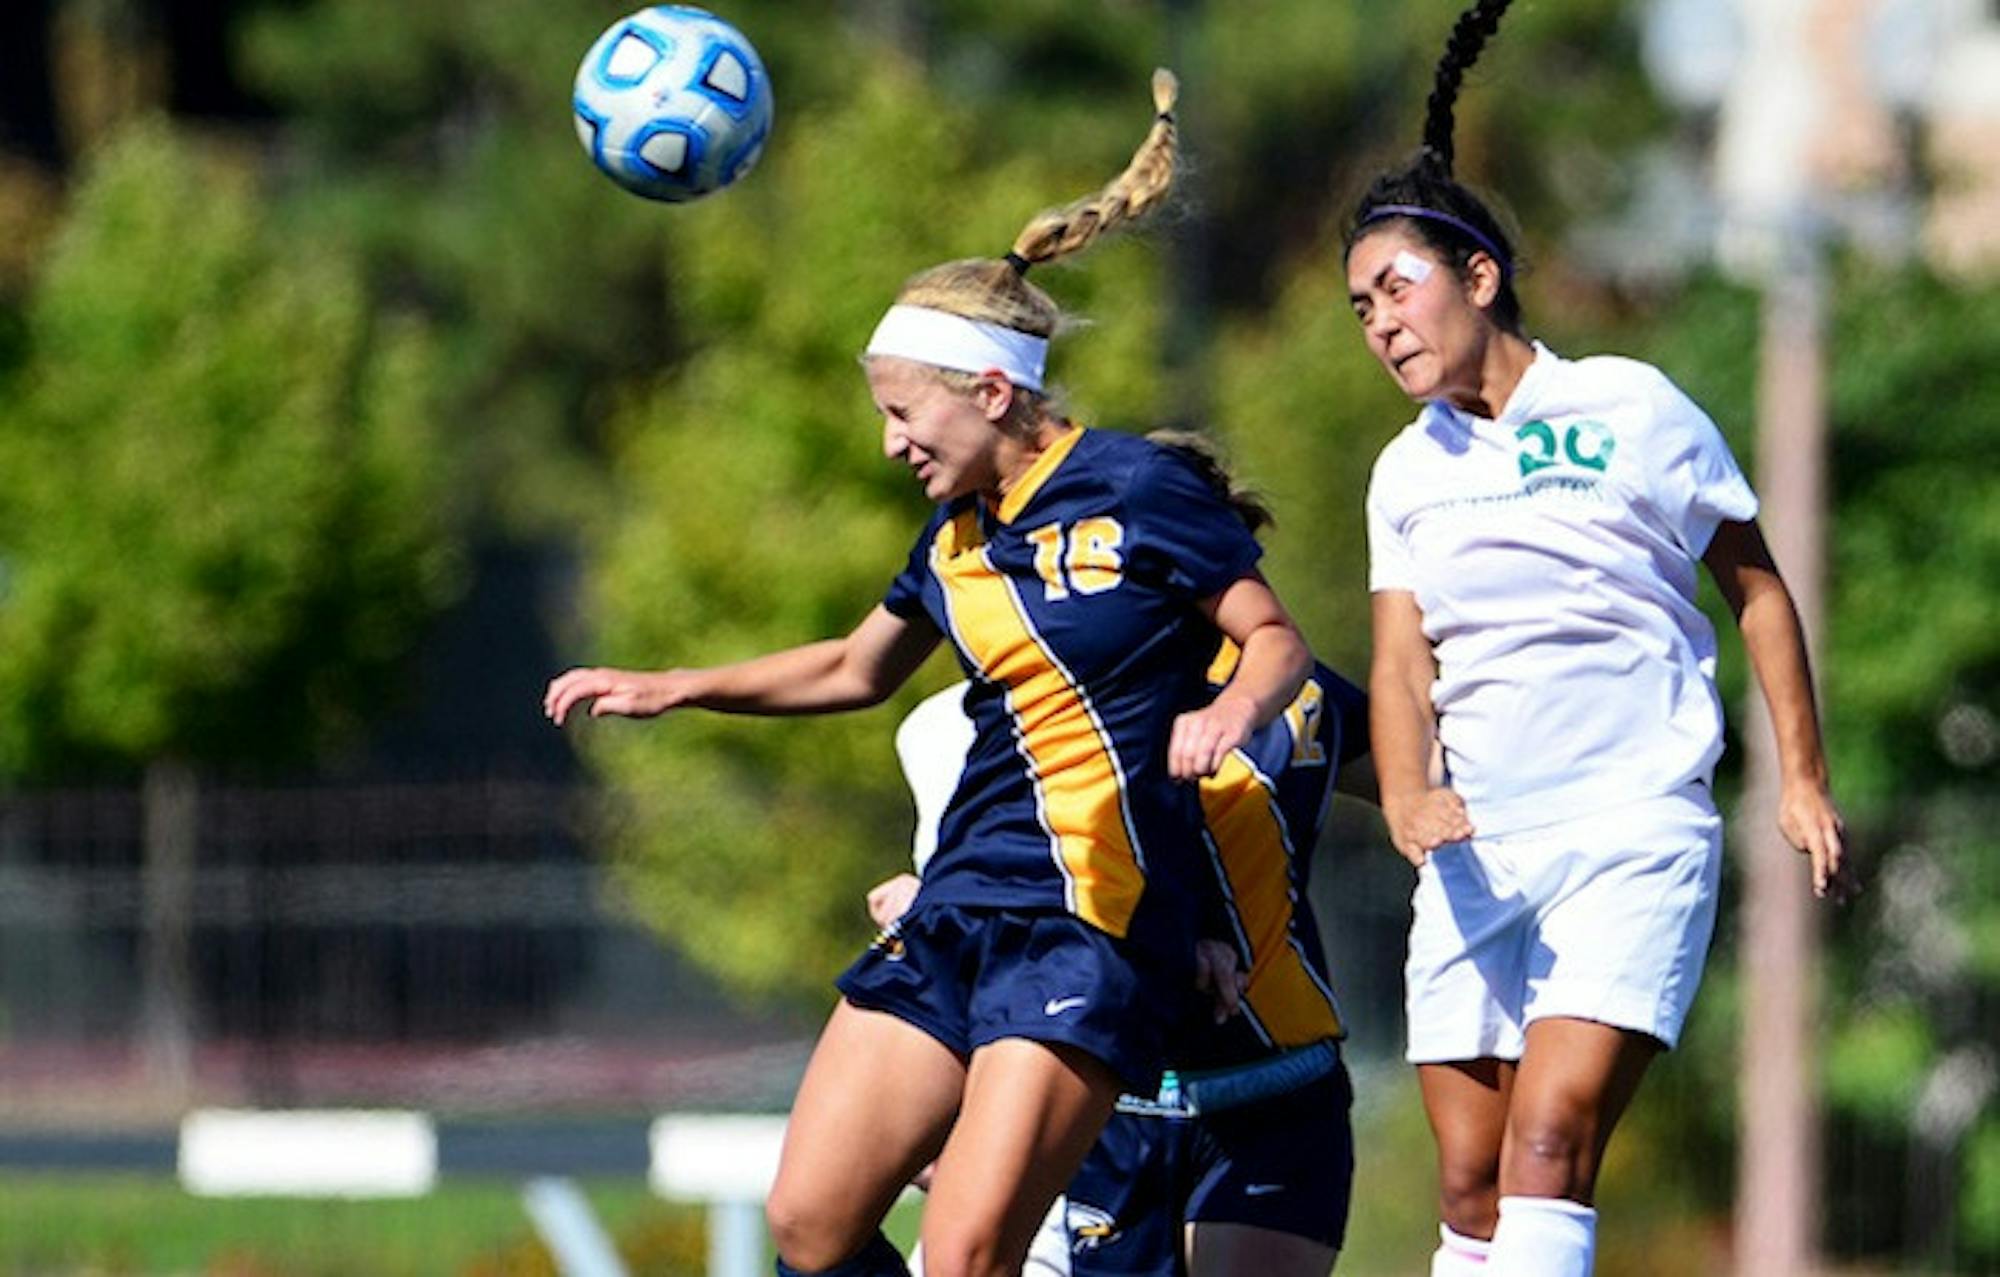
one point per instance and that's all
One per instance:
(1601, 379)
(1115, 452)
(1412, 438)
(1114, 458)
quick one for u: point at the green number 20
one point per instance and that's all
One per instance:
(1587, 443)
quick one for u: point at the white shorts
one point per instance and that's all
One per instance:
(1606, 917)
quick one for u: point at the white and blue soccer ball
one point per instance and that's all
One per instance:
(673, 103)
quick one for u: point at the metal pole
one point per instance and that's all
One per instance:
(735, 1238)
(567, 1226)
(1777, 1207)
(171, 798)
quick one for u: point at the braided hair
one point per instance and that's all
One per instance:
(1423, 198)
(996, 290)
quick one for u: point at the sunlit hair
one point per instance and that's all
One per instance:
(1207, 458)
(996, 290)
(1426, 182)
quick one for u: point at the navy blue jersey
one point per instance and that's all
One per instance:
(1262, 812)
(1073, 607)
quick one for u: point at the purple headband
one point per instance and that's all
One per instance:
(1382, 211)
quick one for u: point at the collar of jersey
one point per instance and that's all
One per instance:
(1520, 405)
(1031, 482)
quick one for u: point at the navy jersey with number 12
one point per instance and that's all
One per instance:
(1262, 813)
(1073, 605)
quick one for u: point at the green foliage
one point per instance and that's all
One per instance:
(1981, 1203)
(1877, 1060)
(437, 140)
(223, 517)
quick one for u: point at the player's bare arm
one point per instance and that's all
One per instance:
(1403, 730)
(1741, 563)
(853, 672)
(1274, 664)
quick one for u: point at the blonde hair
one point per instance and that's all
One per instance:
(996, 290)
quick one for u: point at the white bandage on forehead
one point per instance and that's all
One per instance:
(1410, 266)
(966, 345)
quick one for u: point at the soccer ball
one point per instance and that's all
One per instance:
(672, 103)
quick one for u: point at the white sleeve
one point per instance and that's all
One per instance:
(1691, 473)
(1388, 554)
(931, 743)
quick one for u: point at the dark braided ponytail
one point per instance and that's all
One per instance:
(1468, 36)
(1424, 198)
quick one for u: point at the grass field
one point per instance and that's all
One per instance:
(58, 1225)
(69, 1225)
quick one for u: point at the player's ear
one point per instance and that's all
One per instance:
(994, 394)
(1484, 279)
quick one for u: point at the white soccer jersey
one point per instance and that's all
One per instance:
(1553, 552)
(931, 743)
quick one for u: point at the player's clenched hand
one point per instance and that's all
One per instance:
(1202, 739)
(1812, 824)
(890, 900)
(1217, 974)
(1421, 823)
(632, 693)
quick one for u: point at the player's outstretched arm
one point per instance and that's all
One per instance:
(1403, 732)
(1274, 662)
(1749, 579)
(818, 678)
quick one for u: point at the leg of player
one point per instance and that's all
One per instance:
(1575, 1079)
(1467, 1104)
(1223, 1250)
(854, 1142)
(1032, 1110)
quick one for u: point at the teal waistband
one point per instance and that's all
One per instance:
(1213, 1090)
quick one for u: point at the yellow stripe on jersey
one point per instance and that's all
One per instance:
(1079, 783)
(1223, 667)
(1284, 995)
(1031, 482)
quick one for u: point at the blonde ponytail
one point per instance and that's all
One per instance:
(1060, 232)
(994, 290)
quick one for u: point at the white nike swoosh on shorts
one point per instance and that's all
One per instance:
(1056, 1006)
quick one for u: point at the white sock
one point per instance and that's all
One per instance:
(1458, 1255)
(1542, 1237)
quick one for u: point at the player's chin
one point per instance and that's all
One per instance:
(943, 486)
(1415, 383)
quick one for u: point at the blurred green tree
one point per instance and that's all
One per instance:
(226, 507)
(229, 504)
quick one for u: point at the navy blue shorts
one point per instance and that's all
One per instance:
(969, 977)
(1286, 1164)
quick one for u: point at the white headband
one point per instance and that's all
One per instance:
(946, 340)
